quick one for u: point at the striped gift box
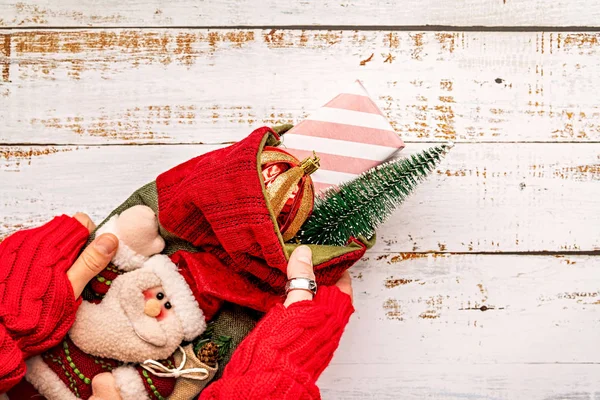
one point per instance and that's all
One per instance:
(350, 134)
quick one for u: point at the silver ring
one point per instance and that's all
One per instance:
(301, 283)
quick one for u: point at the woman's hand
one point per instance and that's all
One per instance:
(284, 355)
(94, 258)
(90, 263)
(300, 266)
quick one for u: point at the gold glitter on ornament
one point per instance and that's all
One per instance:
(289, 188)
(282, 188)
(304, 210)
(269, 156)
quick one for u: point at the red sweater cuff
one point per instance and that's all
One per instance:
(63, 241)
(318, 325)
(12, 365)
(68, 235)
(294, 345)
(37, 298)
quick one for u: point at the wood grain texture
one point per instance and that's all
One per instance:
(276, 12)
(213, 86)
(461, 381)
(524, 177)
(470, 327)
(482, 198)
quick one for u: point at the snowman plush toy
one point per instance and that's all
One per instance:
(209, 239)
(143, 310)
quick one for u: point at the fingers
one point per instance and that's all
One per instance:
(93, 260)
(86, 221)
(300, 266)
(345, 285)
(104, 387)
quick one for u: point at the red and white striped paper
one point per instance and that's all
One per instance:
(350, 134)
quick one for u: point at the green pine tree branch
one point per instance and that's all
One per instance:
(223, 342)
(205, 337)
(358, 207)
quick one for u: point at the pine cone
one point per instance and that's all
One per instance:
(209, 354)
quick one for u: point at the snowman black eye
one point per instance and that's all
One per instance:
(160, 295)
(168, 305)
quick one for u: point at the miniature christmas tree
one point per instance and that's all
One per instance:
(358, 207)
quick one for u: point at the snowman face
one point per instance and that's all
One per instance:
(157, 303)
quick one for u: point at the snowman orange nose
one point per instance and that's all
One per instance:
(152, 308)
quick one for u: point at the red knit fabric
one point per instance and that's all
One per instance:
(218, 283)
(37, 304)
(285, 354)
(77, 369)
(215, 201)
(99, 285)
(25, 391)
(158, 388)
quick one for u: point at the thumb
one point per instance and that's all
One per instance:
(104, 387)
(93, 260)
(300, 266)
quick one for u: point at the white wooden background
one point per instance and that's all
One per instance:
(485, 285)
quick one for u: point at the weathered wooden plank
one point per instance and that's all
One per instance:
(475, 302)
(213, 86)
(272, 12)
(420, 331)
(483, 197)
(458, 382)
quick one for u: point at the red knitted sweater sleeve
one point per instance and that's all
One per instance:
(37, 304)
(285, 354)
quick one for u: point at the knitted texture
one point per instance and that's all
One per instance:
(216, 202)
(76, 369)
(235, 322)
(100, 284)
(187, 389)
(37, 304)
(232, 320)
(212, 209)
(218, 229)
(285, 354)
(158, 388)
